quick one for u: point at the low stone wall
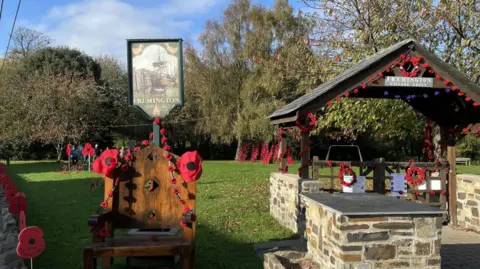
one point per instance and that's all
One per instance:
(468, 201)
(8, 238)
(336, 241)
(285, 202)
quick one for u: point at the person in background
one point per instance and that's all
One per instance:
(73, 155)
(122, 152)
(97, 152)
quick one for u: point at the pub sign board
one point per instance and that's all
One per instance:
(155, 75)
(409, 82)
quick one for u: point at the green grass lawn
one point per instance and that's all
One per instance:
(232, 212)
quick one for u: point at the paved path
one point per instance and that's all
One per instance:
(460, 249)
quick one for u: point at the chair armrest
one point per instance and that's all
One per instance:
(99, 219)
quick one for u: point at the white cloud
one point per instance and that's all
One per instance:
(101, 26)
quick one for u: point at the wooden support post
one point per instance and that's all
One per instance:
(282, 153)
(379, 176)
(156, 135)
(452, 185)
(306, 154)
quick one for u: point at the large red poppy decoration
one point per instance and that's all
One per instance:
(30, 242)
(69, 150)
(88, 150)
(18, 203)
(190, 166)
(106, 163)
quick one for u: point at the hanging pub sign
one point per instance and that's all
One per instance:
(155, 72)
(409, 82)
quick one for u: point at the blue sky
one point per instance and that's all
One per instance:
(101, 26)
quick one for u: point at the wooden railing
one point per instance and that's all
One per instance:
(378, 174)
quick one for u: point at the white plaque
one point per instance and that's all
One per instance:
(435, 185)
(409, 82)
(398, 185)
(358, 187)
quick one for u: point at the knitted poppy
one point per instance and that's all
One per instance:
(190, 166)
(157, 121)
(30, 242)
(69, 150)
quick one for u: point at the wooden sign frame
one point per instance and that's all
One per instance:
(161, 81)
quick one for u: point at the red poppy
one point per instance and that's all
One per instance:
(355, 91)
(150, 136)
(157, 121)
(129, 156)
(432, 192)
(169, 157)
(88, 150)
(164, 140)
(136, 149)
(30, 242)
(190, 166)
(173, 181)
(181, 201)
(69, 150)
(171, 169)
(330, 163)
(22, 221)
(476, 104)
(18, 203)
(106, 163)
(104, 204)
(175, 191)
(145, 143)
(167, 148)
(163, 131)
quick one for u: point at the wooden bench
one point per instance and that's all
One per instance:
(465, 161)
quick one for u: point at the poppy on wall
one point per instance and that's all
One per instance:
(190, 166)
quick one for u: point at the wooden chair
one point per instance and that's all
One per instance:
(131, 203)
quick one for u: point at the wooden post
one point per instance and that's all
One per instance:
(306, 154)
(452, 184)
(379, 176)
(69, 160)
(156, 135)
(283, 150)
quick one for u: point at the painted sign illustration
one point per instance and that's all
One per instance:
(155, 69)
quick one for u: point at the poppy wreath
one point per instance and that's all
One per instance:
(412, 60)
(311, 125)
(420, 176)
(190, 166)
(348, 171)
(88, 150)
(106, 163)
(30, 242)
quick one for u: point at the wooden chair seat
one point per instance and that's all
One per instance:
(139, 246)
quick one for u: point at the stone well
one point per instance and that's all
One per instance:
(468, 201)
(369, 231)
(285, 202)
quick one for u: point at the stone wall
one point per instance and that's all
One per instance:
(468, 201)
(8, 238)
(285, 205)
(336, 241)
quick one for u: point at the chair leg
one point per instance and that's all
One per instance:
(187, 259)
(89, 260)
(107, 262)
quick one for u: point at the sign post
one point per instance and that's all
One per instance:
(155, 77)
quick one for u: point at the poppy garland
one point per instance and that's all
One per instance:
(347, 171)
(190, 167)
(310, 126)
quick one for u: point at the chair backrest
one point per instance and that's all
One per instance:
(133, 200)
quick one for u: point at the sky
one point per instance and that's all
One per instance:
(99, 27)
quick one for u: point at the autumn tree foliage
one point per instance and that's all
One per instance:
(252, 61)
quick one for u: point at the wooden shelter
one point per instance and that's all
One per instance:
(405, 71)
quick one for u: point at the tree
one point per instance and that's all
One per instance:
(53, 95)
(27, 41)
(350, 30)
(253, 61)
